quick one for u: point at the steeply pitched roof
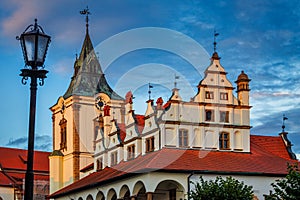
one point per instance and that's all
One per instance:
(268, 157)
(88, 78)
(13, 165)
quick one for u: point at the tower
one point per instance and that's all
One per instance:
(243, 88)
(78, 116)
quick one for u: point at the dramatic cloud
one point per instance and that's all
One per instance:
(42, 143)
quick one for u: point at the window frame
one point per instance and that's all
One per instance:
(130, 152)
(209, 95)
(99, 164)
(150, 144)
(224, 142)
(223, 95)
(63, 134)
(224, 116)
(212, 115)
(114, 158)
(183, 138)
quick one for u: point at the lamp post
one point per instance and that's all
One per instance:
(34, 43)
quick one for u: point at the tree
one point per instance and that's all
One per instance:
(221, 189)
(287, 188)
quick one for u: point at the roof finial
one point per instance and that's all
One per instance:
(175, 82)
(215, 40)
(149, 90)
(86, 12)
(283, 119)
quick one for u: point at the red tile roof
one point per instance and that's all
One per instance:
(13, 165)
(268, 157)
(16, 159)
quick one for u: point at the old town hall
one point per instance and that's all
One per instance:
(102, 149)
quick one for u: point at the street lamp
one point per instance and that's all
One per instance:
(34, 43)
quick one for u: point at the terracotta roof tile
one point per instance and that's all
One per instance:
(268, 157)
(12, 158)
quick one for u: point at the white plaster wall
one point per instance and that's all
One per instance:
(7, 193)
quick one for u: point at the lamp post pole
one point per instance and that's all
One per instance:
(29, 177)
(34, 45)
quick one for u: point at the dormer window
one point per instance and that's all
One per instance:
(113, 158)
(150, 144)
(209, 95)
(130, 152)
(99, 164)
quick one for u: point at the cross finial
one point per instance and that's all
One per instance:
(283, 119)
(149, 90)
(215, 40)
(86, 12)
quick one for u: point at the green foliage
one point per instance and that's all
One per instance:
(221, 189)
(287, 188)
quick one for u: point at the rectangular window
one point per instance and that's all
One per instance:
(209, 95)
(130, 152)
(224, 96)
(209, 115)
(113, 158)
(224, 116)
(99, 164)
(224, 140)
(63, 134)
(183, 138)
(150, 144)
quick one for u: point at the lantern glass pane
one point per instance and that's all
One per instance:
(42, 48)
(29, 41)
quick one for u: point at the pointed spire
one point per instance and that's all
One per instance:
(88, 78)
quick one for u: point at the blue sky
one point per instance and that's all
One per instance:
(259, 37)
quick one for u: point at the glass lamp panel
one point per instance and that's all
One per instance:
(29, 42)
(42, 49)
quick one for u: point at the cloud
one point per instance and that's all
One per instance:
(23, 12)
(42, 143)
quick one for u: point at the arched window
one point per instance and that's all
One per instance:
(63, 134)
(224, 140)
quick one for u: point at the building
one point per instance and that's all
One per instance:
(13, 170)
(104, 150)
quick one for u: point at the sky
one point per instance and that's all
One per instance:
(259, 37)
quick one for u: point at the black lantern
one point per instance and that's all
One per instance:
(34, 43)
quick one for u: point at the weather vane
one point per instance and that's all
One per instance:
(215, 40)
(86, 12)
(175, 82)
(283, 119)
(149, 90)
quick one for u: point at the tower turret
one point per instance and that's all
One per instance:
(243, 88)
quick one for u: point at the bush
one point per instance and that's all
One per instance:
(287, 188)
(221, 189)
